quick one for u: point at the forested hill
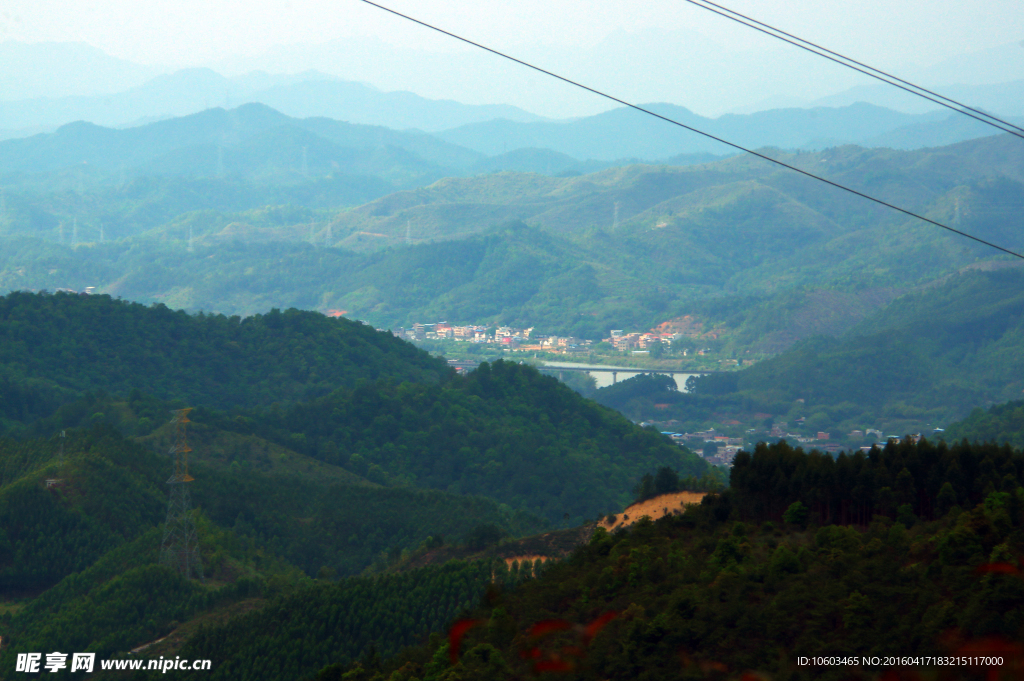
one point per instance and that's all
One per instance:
(251, 139)
(908, 550)
(930, 357)
(504, 431)
(1002, 423)
(331, 389)
(53, 347)
(80, 558)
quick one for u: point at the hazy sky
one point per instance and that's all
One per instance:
(656, 50)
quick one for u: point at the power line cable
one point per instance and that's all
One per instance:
(871, 71)
(699, 132)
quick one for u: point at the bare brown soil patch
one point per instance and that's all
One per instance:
(655, 508)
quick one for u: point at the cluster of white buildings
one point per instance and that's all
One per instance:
(626, 342)
(444, 330)
(513, 338)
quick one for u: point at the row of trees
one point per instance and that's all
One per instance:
(666, 481)
(851, 489)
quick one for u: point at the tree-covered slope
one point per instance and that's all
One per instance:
(337, 624)
(80, 558)
(1002, 423)
(388, 412)
(929, 357)
(61, 345)
(511, 274)
(728, 588)
(504, 431)
(114, 489)
(109, 495)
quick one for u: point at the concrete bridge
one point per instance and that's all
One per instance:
(464, 366)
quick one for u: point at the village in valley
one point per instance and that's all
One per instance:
(684, 337)
(679, 336)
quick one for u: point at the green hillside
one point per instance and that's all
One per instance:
(509, 275)
(61, 345)
(505, 431)
(340, 623)
(773, 256)
(78, 559)
(735, 587)
(144, 203)
(928, 358)
(330, 389)
(906, 551)
(942, 349)
(1002, 423)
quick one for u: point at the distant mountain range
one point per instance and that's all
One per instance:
(629, 133)
(250, 140)
(302, 95)
(47, 85)
(1003, 99)
(256, 141)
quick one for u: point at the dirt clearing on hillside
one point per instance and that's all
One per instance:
(655, 508)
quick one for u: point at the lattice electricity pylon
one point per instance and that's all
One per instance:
(180, 548)
(59, 480)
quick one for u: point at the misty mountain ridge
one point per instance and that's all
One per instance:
(626, 247)
(216, 135)
(624, 132)
(303, 95)
(218, 142)
(52, 69)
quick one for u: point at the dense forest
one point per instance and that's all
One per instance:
(340, 623)
(81, 555)
(1003, 423)
(721, 589)
(58, 346)
(333, 390)
(504, 430)
(355, 499)
(804, 554)
(397, 456)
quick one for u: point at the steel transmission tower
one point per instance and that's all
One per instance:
(180, 548)
(59, 480)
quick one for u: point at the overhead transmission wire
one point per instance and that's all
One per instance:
(699, 132)
(878, 74)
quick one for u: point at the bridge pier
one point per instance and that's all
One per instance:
(615, 377)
